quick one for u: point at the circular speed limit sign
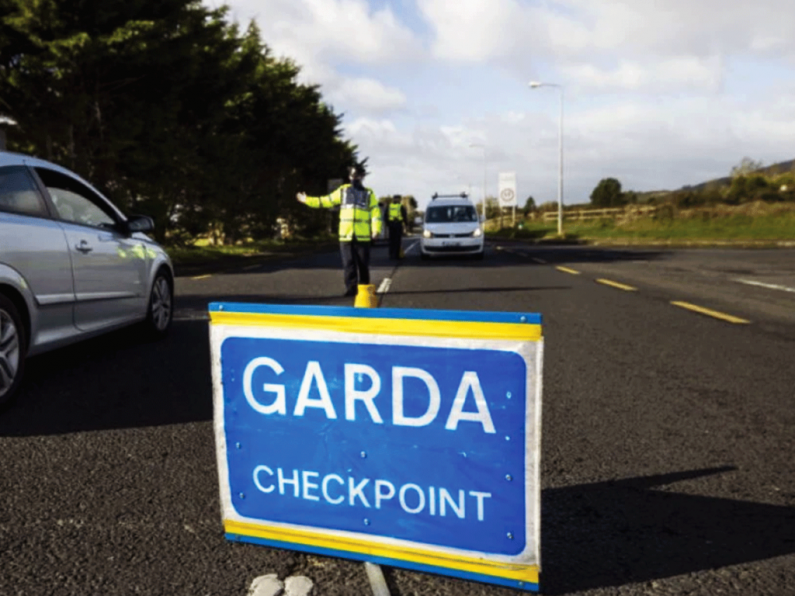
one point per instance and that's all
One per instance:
(506, 195)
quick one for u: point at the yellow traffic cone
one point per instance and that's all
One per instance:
(366, 297)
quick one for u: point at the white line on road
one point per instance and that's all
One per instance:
(764, 285)
(386, 283)
(408, 250)
(191, 316)
(541, 261)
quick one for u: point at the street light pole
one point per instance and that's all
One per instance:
(535, 85)
(483, 204)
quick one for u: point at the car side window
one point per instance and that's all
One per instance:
(19, 194)
(75, 202)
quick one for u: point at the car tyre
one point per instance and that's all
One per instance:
(13, 348)
(160, 311)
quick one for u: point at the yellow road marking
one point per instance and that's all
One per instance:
(711, 313)
(615, 284)
(567, 270)
(201, 277)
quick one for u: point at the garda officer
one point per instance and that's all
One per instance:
(396, 219)
(360, 222)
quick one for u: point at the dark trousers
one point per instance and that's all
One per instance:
(355, 263)
(395, 235)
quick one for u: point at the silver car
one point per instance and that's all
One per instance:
(71, 265)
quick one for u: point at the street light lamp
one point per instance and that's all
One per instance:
(483, 204)
(536, 85)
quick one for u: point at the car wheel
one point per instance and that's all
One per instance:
(161, 305)
(12, 349)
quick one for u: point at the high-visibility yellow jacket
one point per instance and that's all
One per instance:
(395, 212)
(360, 214)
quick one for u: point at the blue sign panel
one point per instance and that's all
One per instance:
(401, 437)
(410, 442)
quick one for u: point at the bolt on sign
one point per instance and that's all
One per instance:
(507, 182)
(400, 437)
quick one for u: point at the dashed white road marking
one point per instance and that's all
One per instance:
(408, 250)
(271, 585)
(764, 285)
(191, 316)
(386, 283)
(540, 261)
(297, 585)
(266, 585)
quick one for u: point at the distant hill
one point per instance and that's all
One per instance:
(778, 168)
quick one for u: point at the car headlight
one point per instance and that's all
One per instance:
(477, 233)
(427, 234)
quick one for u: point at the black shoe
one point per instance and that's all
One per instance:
(350, 292)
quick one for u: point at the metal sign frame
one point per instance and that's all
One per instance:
(241, 333)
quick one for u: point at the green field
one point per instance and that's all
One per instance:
(753, 224)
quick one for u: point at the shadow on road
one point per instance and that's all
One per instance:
(116, 381)
(619, 532)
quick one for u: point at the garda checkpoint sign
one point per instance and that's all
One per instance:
(507, 189)
(400, 437)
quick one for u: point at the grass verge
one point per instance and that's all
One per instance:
(755, 223)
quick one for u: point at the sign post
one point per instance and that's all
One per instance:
(392, 436)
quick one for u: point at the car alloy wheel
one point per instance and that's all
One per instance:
(160, 305)
(12, 342)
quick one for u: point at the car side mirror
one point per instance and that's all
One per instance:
(140, 223)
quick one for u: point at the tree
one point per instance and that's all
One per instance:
(529, 206)
(170, 111)
(746, 167)
(607, 193)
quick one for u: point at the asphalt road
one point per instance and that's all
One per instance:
(668, 434)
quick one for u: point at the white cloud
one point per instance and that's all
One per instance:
(678, 73)
(367, 95)
(328, 31)
(319, 35)
(681, 41)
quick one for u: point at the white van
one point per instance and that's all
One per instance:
(451, 227)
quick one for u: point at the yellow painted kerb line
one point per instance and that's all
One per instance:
(411, 327)
(567, 270)
(526, 573)
(712, 313)
(615, 284)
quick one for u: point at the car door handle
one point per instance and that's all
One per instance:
(83, 247)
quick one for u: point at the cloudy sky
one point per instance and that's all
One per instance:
(658, 94)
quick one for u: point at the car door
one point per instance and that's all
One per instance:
(108, 266)
(34, 246)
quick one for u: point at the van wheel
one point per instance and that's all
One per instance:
(13, 347)
(160, 311)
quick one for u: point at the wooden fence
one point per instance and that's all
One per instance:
(609, 213)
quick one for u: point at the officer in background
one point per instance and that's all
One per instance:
(396, 218)
(360, 223)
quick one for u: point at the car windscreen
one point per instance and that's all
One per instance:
(451, 214)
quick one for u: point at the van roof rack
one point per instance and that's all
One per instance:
(462, 195)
